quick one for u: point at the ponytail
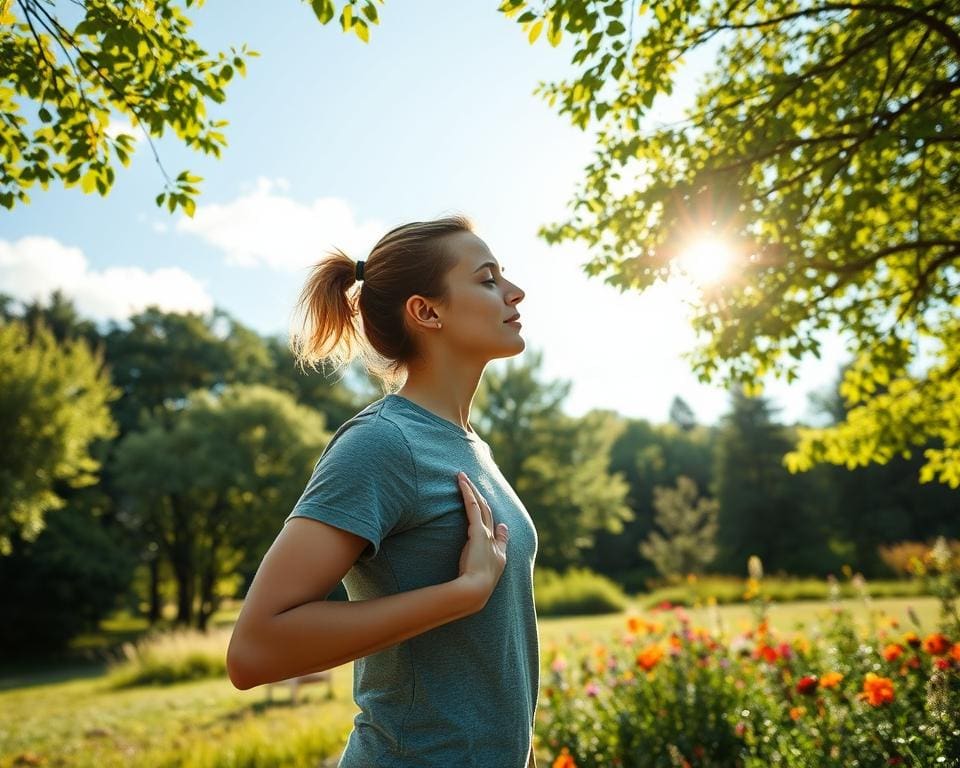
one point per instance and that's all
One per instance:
(328, 302)
(343, 318)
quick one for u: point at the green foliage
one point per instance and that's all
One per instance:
(690, 528)
(578, 591)
(62, 83)
(60, 584)
(764, 510)
(820, 149)
(159, 357)
(208, 477)
(53, 397)
(669, 693)
(728, 590)
(648, 455)
(558, 465)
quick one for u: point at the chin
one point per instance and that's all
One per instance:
(513, 349)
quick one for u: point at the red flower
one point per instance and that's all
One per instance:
(807, 685)
(766, 653)
(943, 663)
(936, 644)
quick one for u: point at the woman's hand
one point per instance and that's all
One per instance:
(485, 554)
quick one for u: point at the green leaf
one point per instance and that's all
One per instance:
(322, 9)
(370, 11)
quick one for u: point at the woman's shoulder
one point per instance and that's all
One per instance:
(371, 431)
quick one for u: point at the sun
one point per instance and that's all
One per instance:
(706, 260)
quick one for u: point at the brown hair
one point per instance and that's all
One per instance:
(344, 319)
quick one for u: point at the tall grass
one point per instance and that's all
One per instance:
(171, 656)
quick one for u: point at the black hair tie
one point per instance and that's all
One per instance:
(360, 270)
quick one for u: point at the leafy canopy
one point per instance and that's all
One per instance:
(62, 83)
(821, 149)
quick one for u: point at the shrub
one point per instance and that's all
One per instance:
(730, 589)
(666, 693)
(576, 591)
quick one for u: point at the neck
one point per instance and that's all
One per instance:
(446, 389)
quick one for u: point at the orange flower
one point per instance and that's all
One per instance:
(955, 651)
(633, 624)
(564, 760)
(797, 712)
(830, 679)
(892, 652)
(877, 690)
(649, 657)
(936, 644)
(911, 639)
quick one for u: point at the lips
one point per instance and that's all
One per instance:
(511, 319)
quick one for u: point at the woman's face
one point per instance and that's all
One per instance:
(480, 302)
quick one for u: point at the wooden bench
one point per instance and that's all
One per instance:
(294, 684)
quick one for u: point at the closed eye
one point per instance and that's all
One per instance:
(492, 282)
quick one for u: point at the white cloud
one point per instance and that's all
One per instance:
(265, 227)
(32, 267)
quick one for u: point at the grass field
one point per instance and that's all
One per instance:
(68, 716)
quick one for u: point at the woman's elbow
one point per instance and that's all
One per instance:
(239, 667)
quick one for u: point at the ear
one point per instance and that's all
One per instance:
(420, 311)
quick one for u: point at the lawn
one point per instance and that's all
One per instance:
(61, 716)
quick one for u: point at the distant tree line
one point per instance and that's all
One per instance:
(152, 463)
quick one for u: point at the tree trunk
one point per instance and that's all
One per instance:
(154, 615)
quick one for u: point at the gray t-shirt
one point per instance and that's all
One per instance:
(464, 693)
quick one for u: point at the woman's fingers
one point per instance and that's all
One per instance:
(471, 502)
(484, 507)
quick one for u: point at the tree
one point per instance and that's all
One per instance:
(212, 481)
(559, 465)
(647, 455)
(162, 356)
(60, 584)
(54, 398)
(822, 149)
(764, 510)
(689, 526)
(61, 81)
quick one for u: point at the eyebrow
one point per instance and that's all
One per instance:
(489, 264)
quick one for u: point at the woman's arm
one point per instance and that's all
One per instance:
(287, 627)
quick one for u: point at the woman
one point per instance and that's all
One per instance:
(408, 508)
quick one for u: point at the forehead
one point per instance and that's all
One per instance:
(471, 252)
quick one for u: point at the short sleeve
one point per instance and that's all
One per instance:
(364, 482)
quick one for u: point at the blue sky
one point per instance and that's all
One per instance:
(333, 142)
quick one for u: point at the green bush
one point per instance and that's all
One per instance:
(729, 589)
(578, 591)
